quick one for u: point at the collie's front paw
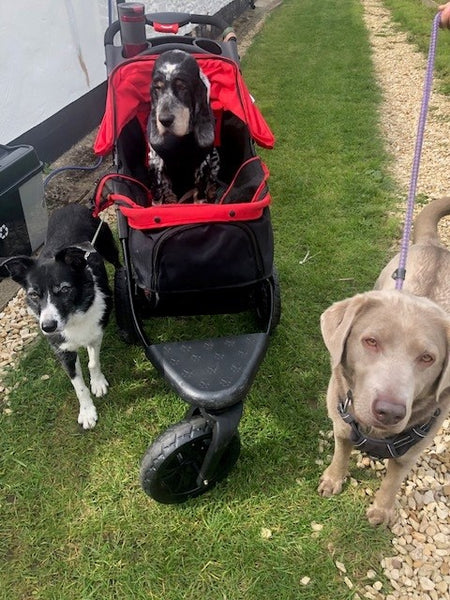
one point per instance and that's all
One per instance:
(88, 417)
(99, 385)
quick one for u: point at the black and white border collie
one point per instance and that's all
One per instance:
(183, 162)
(67, 291)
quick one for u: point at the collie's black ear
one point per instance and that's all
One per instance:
(75, 256)
(203, 116)
(16, 267)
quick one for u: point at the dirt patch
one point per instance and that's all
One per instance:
(75, 185)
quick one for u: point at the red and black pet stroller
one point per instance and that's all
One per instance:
(214, 258)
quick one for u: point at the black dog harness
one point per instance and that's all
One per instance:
(385, 447)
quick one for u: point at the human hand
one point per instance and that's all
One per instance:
(445, 15)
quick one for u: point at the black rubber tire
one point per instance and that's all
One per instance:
(263, 301)
(170, 467)
(124, 319)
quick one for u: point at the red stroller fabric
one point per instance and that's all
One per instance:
(245, 199)
(129, 96)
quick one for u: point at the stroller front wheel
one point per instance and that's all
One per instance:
(171, 465)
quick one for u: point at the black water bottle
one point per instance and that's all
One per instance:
(132, 27)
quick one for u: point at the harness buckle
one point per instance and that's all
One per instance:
(399, 273)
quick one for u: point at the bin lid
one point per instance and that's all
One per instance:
(17, 163)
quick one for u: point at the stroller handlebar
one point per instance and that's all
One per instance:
(167, 19)
(135, 42)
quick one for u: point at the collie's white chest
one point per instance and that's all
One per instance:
(84, 328)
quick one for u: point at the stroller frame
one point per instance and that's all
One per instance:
(213, 375)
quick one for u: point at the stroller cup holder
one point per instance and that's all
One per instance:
(211, 259)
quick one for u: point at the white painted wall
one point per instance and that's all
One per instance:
(52, 53)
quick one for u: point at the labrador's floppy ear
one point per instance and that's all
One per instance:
(16, 267)
(336, 323)
(203, 123)
(444, 381)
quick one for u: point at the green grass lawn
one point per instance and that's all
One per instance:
(74, 521)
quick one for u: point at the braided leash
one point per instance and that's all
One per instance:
(399, 274)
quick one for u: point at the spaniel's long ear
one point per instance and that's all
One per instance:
(153, 135)
(154, 138)
(203, 123)
(336, 323)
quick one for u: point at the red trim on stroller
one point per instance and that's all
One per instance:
(168, 215)
(129, 96)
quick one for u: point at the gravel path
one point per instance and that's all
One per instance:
(419, 565)
(400, 71)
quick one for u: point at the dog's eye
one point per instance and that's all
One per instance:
(179, 85)
(64, 289)
(427, 358)
(371, 342)
(33, 296)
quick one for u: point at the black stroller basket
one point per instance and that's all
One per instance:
(192, 259)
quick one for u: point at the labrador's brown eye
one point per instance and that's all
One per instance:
(427, 358)
(371, 342)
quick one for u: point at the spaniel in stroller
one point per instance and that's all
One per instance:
(183, 162)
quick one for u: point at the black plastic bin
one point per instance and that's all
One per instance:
(23, 213)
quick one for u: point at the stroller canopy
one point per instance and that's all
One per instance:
(129, 96)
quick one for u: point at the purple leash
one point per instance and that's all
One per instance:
(400, 273)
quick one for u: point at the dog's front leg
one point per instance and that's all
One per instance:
(334, 476)
(382, 511)
(99, 384)
(87, 417)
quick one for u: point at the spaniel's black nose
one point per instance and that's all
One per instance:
(166, 120)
